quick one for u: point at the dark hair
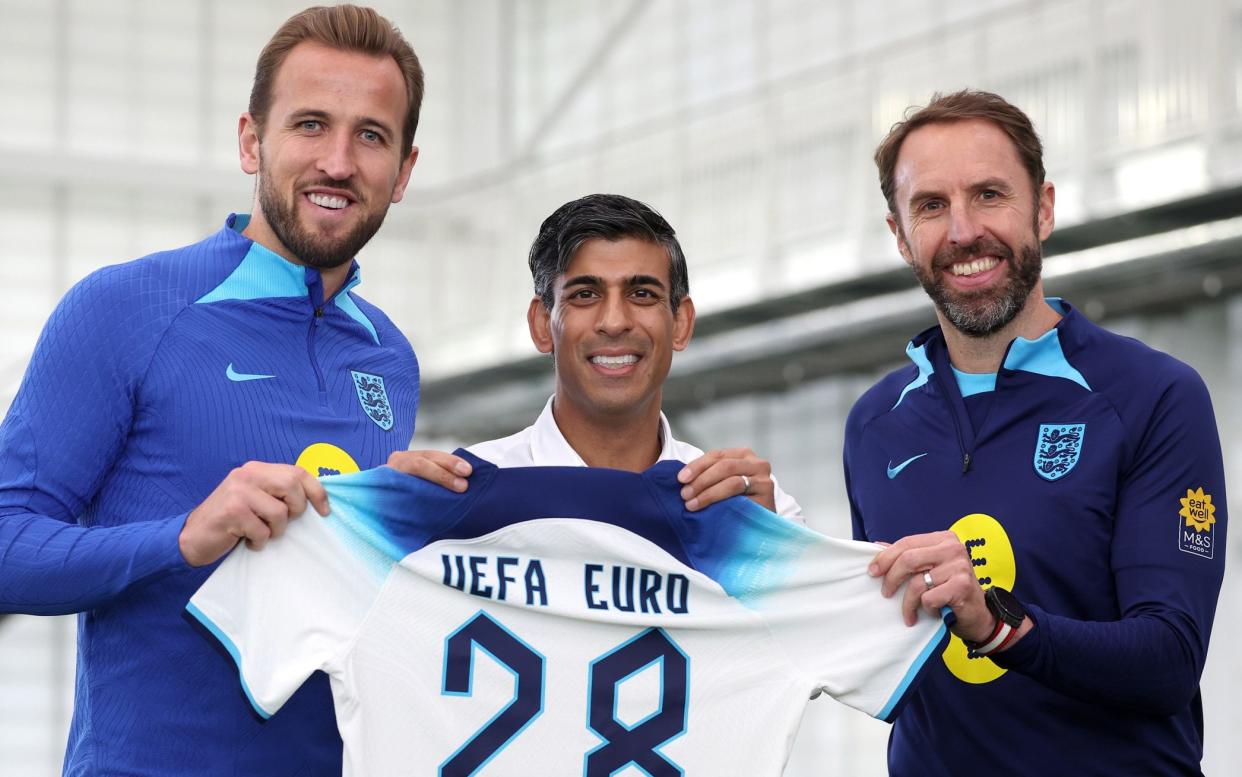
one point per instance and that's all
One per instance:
(606, 217)
(348, 28)
(961, 106)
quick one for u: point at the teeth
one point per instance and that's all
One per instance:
(328, 201)
(614, 361)
(977, 266)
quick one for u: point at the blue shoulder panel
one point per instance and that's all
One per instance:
(350, 308)
(261, 275)
(1043, 356)
(918, 355)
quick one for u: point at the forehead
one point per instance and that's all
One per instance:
(948, 155)
(618, 260)
(318, 77)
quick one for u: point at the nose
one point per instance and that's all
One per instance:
(965, 227)
(336, 158)
(614, 316)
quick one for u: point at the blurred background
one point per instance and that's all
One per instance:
(750, 124)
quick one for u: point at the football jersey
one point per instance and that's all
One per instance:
(561, 620)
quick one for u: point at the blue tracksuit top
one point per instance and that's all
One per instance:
(1088, 480)
(150, 382)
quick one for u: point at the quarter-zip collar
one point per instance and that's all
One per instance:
(1045, 355)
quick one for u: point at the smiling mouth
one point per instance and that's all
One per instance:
(974, 267)
(615, 362)
(327, 201)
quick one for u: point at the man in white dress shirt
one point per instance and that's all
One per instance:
(611, 306)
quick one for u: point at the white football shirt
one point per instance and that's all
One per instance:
(560, 621)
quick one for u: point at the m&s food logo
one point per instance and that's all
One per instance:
(1194, 531)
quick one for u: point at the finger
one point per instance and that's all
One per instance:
(758, 471)
(696, 467)
(441, 468)
(906, 565)
(255, 532)
(885, 558)
(270, 511)
(312, 490)
(724, 489)
(920, 594)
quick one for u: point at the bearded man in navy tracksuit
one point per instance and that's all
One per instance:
(1057, 486)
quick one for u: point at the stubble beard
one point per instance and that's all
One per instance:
(322, 253)
(983, 313)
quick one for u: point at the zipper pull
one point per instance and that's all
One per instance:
(965, 462)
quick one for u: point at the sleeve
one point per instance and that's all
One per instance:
(292, 608)
(66, 426)
(1168, 559)
(786, 505)
(821, 606)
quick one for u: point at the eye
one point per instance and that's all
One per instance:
(989, 194)
(645, 295)
(931, 206)
(371, 136)
(309, 125)
(583, 294)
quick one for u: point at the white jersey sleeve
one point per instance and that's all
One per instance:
(821, 606)
(290, 609)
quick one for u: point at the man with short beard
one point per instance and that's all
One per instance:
(188, 400)
(1057, 487)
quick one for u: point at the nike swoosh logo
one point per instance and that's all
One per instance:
(239, 377)
(895, 471)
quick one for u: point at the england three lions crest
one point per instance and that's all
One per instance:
(374, 398)
(1057, 449)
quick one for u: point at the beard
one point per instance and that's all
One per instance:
(986, 311)
(318, 251)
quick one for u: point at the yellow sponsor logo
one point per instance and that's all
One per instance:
(324, 458)
(1198, 510)
(1195, 529)
(992, 554)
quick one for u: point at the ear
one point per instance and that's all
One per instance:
(539, 320)
(403, 175)
(683, 324)
(1046, 219)
(248, 143)
(895, 228)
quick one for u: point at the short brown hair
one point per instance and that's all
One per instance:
(961, 106)
(348, 28)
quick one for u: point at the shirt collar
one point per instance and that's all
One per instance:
(549, 448)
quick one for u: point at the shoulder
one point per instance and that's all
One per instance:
(136, 300)
(389, 334)
(511, 451)
(1134, 376)
(880, 399)
(163, 279)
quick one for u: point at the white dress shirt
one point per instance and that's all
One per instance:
(543, 445)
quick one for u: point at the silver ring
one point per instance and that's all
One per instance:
(746, 490)
(927, 580)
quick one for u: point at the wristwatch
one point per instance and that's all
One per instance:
(1009, 614)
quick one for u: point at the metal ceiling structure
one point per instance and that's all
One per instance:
(1142, 261)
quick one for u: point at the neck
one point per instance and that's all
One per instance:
(629, 441)
(985, 354)
(262, 233)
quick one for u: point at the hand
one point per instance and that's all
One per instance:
(437, 466)
(944, 557)
(255, 503)
(717, 475)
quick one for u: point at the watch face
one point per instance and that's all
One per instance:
(1008, 608)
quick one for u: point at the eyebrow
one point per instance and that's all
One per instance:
(595, 280)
